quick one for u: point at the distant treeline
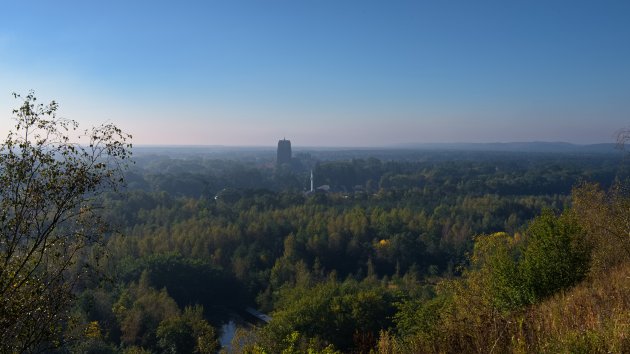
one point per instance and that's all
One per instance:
(471, 172)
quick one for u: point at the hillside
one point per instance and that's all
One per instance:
(562, 286)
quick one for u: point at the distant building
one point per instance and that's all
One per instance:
(284, 152)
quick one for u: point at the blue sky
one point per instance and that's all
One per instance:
(325, 72)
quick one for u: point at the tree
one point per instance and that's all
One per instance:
(49, 188)
(140, 310)
(556, 256)
(188, 333)
(349, 315)
(495, 272)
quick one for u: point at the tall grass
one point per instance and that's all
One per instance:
(592, 317)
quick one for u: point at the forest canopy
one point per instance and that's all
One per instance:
(394, 253)
(414, 251)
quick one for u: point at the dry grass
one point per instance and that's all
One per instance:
(593, 317)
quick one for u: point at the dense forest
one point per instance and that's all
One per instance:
(393, 251)
(429, 252)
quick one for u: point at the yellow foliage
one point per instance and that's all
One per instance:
(93, 331)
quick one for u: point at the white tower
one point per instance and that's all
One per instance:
(312, 180)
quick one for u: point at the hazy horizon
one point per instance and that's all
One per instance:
(397, 145)
(325, 73)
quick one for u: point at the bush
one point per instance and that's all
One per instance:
(556, 256)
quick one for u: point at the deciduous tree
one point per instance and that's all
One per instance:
(49, 186)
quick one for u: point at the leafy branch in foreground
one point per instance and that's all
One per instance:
(48, 217)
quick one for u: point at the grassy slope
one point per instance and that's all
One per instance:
(592, 317)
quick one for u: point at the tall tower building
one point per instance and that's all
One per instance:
(284, 152)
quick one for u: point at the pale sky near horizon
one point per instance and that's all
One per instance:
(325, 72)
